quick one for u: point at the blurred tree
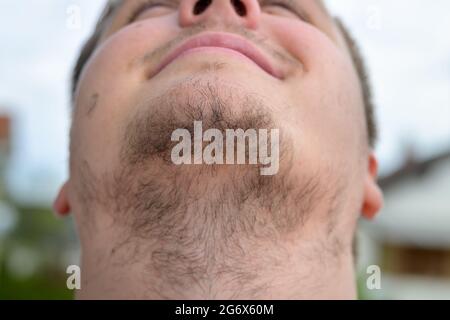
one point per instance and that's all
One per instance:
(35, 246)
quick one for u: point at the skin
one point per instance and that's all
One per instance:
(317, 103)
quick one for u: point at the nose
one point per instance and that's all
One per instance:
(244, 13)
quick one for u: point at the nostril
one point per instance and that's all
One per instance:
(201, 6)
(239, 6)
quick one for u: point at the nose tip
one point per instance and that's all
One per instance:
(243, 12)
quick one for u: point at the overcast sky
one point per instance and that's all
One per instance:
(406, 43)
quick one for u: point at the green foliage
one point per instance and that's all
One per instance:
(38, 287)
(45, 240)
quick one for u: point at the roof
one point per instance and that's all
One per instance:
(412, 167)
(417, 203)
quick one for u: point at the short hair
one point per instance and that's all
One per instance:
(93, 41)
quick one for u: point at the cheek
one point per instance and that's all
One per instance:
(108, 86)
(302, 40)
(327, 115)
(116, 62)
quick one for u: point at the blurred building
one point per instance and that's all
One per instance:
(410, 240)
(5, 151)
(5, 142)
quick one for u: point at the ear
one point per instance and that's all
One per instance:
(61, 204)
(373, 196)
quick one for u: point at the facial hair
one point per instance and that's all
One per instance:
(200, 221)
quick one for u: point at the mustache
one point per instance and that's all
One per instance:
(258, 40)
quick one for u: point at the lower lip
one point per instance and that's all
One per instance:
(214, 50)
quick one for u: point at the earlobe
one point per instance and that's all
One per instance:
(373, 196)
(61, 206)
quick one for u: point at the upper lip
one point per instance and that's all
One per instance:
(222, 40)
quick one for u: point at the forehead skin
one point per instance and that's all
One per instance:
(314, 10)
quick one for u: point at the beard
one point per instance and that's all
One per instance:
(159, 186)
(201, 221)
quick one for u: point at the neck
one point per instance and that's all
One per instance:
(133, 268)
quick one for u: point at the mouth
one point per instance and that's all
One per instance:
(221, 43)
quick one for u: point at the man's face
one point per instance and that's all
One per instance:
(271, 64)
